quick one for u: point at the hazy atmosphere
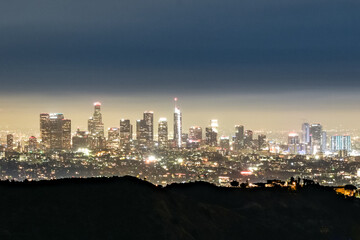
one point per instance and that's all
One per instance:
(257, 63)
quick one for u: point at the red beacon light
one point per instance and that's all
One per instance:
(97, 103)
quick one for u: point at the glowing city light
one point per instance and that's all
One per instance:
(150, 159)
(293, 134)
(85, 151)
(246, 173)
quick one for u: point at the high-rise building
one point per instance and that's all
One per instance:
(261, 142)
(248, 138)
(10, 141)
(315, 138)
(145, 129)
(210, 137)
(339, 143)
(347, 143)
(163, 132)
(315, 132)
(225, 143)
(125, 132)
(293, 138)
(66, 134)
(211, 133)
(56, 131)
(80, 140)
(141, 132)
(95, 124)
(45, 130)
(195, 133)
(195, 137)
(113, 141)
(96, 128)
(293, 143)
(305, 137)
(239, 137)
(97, 143)
(149, 123)
(113, 134)
(55, 128)
(177, 126)
(33, 144)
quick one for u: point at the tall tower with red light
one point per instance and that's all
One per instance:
(177, 125)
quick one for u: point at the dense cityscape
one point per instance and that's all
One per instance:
(179, 120)
(164, 158)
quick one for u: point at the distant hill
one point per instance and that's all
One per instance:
(129, 208)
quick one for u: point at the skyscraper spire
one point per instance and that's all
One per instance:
(175, 102)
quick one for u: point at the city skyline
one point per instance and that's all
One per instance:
(56, 135)
(170, 119)
(135, 148)
(198, 113)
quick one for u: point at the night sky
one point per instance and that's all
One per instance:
(266, 64)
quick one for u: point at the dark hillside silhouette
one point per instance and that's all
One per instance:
(130, 208)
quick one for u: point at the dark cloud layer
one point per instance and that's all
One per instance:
(171, 46)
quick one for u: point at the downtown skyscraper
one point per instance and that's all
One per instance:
(239, 137)
(113, 141)
(55, 131)
(317, 138)
(293, 143)
(96, 128)
(195, 137)
(149, 125)
(141, 132)
(195, 133)
(305, 137)
(163, 132)
(145, 129)
(80, 140)
(211, 133)
(95, 123)
(248, 138)
(32, 144)
(45, 130)
(126, 131)
(339, 143)
(224, 143)
(261, 142)
(9, 141)
(177, 125)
